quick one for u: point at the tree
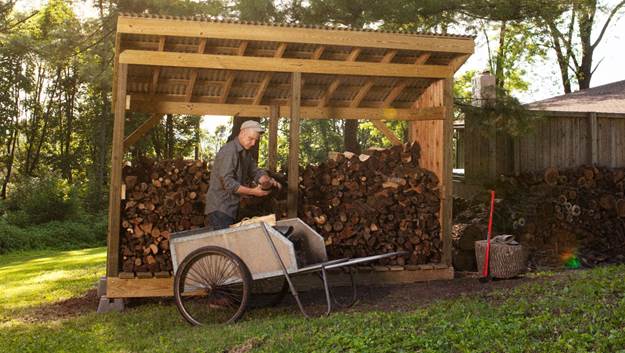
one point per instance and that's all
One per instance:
(571, 28)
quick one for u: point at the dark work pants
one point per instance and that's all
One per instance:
(219, 220)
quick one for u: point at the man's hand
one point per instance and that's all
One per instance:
(259, 191)
(267, 182)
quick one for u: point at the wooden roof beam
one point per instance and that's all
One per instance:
(364, 90)
(334, 85)
(156, 72)
(194, 73)
(329, 67)
(318, 52)
(457, 62)
(218, 30)
(231, 76)
(157, 105)
(396, 91)
(262, 87)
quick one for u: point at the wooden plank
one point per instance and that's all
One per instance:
(395, 92)
(194, 72)
(163, 286)
(146, 104)
(516, 153)
(207, 29)
(117, 154)
(592, 139)
(246, 63)
(139, 287)
(458, 61)
(272, 151)
(446, 179)
(143, 129)
(262, 87)
(602, 142)
(334, 85)
(421, 59)
(380, 125)
(294, 130)
(612, 128)
(157, 70)
(364, 90)
(231, 75)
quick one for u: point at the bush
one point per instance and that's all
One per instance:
(86, 232)
(41, 200)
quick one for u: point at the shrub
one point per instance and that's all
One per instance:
(88, 231)
(39, 200)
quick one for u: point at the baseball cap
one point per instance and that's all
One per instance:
(254, 125)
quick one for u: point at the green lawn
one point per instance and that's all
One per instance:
(578, 311)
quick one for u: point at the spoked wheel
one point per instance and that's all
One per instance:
(212, 285)
(268, 292)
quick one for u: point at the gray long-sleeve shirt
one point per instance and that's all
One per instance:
(233, 166)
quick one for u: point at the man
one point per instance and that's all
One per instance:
(234, 166)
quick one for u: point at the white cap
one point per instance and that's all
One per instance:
(254, 125)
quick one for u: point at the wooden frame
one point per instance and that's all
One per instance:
(199, 67)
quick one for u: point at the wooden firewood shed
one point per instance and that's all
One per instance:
(199, 66)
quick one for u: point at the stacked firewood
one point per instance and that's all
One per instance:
(160, 198)
(374, 203)
(579, 211)
(558, 215)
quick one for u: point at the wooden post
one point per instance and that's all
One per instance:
(117, 154)
(272, 153)
(492, 154)
(296, 90)
(592, 143)
(446, 180)
(516, 150)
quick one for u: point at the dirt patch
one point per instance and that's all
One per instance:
(88, 302)
(404, 297)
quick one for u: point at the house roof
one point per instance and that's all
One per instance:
(607, 99)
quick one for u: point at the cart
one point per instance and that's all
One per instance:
(217, 271)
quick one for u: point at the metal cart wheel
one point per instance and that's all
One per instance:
(212, 285)
(268, 292)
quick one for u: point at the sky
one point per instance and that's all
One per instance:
(543, 75)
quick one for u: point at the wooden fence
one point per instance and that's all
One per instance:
(558, 140)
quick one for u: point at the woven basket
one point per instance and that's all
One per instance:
(506, 261)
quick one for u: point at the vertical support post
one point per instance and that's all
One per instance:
(294, 129)
(272, 153)
(592, 143)
(446, 180)
(117, 154)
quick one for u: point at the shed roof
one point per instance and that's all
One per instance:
(198, 65)
(607, 99)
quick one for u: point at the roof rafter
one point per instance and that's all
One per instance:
(231, 76)
(325, 98)
(265, 82)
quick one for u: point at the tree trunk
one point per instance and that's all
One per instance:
(563, 60)
(585, 21)
(499, 69)
(350, 136)
(169, 136)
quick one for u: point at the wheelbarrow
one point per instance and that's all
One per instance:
(215, 271)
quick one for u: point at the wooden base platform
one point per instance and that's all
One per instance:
(139, 287)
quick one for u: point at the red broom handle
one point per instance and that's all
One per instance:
(490, 229)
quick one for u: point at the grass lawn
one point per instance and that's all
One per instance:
(576, 311)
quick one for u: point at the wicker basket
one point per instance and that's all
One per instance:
(506, 260)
